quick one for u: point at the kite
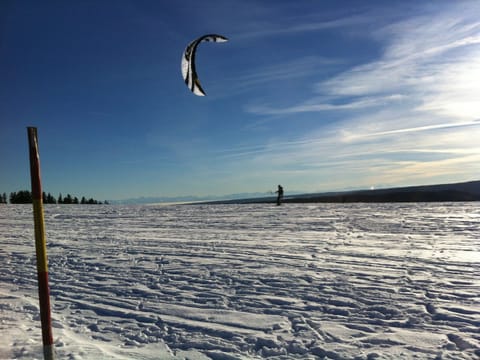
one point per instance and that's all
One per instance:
(188, 62)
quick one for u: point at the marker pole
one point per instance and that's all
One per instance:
(40, 245)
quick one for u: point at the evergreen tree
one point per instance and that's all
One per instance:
(51, 199)
(21, 197)
(25, 197)
(68, 199)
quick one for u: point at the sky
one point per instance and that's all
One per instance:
(314, 95)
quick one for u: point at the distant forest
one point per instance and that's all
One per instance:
(25, 197)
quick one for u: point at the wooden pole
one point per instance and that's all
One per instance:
(40, 245)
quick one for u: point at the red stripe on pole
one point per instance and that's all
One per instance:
(45, 315)
(40, 246)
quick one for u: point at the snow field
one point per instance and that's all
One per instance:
(334, 281)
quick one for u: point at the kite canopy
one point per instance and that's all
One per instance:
(189, 71)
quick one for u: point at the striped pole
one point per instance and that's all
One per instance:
(40, 245)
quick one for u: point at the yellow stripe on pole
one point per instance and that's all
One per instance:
(40, 239)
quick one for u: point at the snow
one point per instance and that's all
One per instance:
(299, 281)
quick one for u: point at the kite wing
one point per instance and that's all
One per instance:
(188, 62)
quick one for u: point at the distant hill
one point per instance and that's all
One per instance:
(466, 191)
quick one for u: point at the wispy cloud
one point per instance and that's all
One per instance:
(356, 103)
(428, 60)
(404, 130)
(337, 160)
(409, 116)
(280, 73)
(262, 29)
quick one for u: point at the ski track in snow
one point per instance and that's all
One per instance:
(300, 281)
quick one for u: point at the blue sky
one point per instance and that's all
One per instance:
(314, 95)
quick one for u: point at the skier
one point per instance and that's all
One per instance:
(279, 194)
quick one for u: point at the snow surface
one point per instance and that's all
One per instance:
(299, 281)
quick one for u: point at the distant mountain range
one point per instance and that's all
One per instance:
(466, 191)
(185, 199)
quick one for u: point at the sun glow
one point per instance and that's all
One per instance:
(455, 93)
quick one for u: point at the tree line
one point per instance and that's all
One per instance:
(25, 197)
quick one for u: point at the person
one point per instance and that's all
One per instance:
(279, 194)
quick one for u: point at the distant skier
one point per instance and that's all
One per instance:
(279, 194)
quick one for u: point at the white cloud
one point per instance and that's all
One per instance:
(260, 30)
(433, 61)
(411, 116)
(360, 102)
(280, 73)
